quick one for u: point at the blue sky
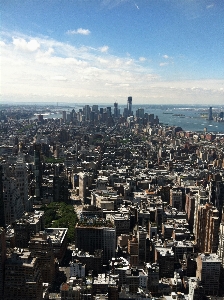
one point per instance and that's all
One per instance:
(157, 51)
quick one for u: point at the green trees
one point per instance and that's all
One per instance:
(60, 214)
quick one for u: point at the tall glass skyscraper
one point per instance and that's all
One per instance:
(129, 106)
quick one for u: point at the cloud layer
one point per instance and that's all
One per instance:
(43, 69)
(79, 31)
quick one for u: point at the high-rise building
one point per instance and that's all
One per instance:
(28, 225)
(210, 117)
(13, 206)
(99, 234)
(37, 172)
(23, 279)
(207, 229)
(64, 116)
(196, 291)
(176, 199)
(140, 113)
(21, 175)
(83, 179)
(153, 277)
(221, 243)
(115, 110)
(2, 213)
(208, 272)
(133, 251)
(108, 111)
(2, 260)
(141, 235)
(86, 111)
(165, 258)
(129, 106)
(41, 247)
(95, 108)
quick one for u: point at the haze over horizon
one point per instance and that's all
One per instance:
(158, 52)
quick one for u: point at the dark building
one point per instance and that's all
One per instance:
(23, 279)
(210, 117)
(129, 106)
(2, 213)
(115, 110)
(2, 260)
(41, 247)
(93, 234)
(92, 262)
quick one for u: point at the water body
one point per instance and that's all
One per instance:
(188, 118)
(193, 118)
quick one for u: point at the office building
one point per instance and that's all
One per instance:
(92, 262)
(164, 257)
(140, 113)
(23, 279)
(83, 182)
(176, 199)
(37, 173)
(28, 225)
(2, 260)
(64, 116)
(196, 291)
(221, 243)
(210, 117)
(129, 106)
(133, 251)
(58, 237)
(141, 236)
(40, 246)
(153, 277)
(207, 229)
(116, 110)
(208, 272)
(13, 207)
(21, 175)
(99, 234)
(2, 209)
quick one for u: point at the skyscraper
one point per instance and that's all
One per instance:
(22, 277)
(21, 174)
(208, 272)
(2, 213)
(129, 106)
(94, 234)
(207, 229)
(2, 260)
(210, 114)
(115, 110)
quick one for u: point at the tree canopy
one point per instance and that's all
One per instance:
(60, 214)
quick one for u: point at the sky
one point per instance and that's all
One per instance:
(102, 51)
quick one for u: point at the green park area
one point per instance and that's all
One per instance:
(60, 215)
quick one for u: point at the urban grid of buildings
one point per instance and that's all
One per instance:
(148, 198)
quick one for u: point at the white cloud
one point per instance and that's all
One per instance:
(56, 71)
(113, 3)
(22, 44)
(59, 78)
(104, 49)
(210, 6)
(163, 64)
(79, 31)
(142, 58)
(165, 56)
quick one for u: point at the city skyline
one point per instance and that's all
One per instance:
(159, 52)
